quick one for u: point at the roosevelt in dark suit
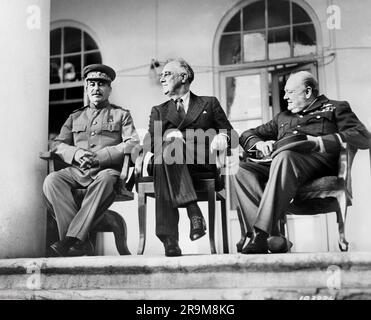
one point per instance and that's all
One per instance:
(172, 132)
(263, 192)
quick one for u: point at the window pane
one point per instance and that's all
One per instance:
(254, 46)
(55, 64)
(72, 68)
(299, 15)
(91, 58)
(59, 114)
(75, 93)
(304, 40)
(254, 16)
(243, 97)
(279, 43)
(56, 95)
(89, 43)
(234, 24)
(230, 49)
(278, 13)
(72, 40)
(55, 42)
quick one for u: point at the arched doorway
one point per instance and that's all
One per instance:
(257, 45)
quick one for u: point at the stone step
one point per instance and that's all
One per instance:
(212, 277)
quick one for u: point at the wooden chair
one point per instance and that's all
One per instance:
(328, 194)
(320, 196)
(206, 187)
(109, 221)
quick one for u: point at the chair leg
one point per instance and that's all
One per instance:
(224, 226)
(341, 218)
(119, 229)
(240, 243)
(142, 217)
(211, 204)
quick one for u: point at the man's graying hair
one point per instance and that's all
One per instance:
(184, 64)
(308, 81)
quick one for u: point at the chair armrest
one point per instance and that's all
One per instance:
(347, 154)
(343, 163)
(50, 157)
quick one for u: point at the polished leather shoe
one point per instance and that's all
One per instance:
(198, 227)
(258, 244)
(171, 247)
(279, 244)
(81, 248)
(60, 248)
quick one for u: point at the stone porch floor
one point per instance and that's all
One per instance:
(330, 275)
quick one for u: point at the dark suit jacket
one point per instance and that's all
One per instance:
(203, 113)
(324, 118)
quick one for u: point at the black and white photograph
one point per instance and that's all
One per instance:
(195, 153)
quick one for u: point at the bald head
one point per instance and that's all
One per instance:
(301, 90)
(308, 80)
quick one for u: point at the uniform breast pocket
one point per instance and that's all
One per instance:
(79, 131)
(111, 130)
(322, 123)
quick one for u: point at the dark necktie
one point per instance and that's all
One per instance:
(180, 108)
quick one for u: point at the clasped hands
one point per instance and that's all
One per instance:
(86, 159)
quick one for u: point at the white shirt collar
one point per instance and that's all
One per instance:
(185, 98)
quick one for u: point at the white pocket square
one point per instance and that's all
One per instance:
(204, 112)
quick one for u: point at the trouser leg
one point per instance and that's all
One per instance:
(100, 194)
(289, 170)
(247, 187)
(167, 216)
(57, 189)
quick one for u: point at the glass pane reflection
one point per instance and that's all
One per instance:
(304, 40)
(230, 49)
(244, 97)
(279, 43)
(254, 46)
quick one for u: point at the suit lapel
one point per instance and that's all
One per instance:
(194, 110)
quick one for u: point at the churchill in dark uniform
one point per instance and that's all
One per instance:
(93, 140)
(263, 191)
(170, 123)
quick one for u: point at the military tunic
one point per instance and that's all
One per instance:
(263, 192)
(109, 132)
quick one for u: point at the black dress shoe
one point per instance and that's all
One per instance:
(198, 227)
(279, 244)
(258, 244)
(60, 248)
(81, 248)
(171, 246)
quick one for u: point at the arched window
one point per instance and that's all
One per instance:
(267, 30)
(71, 49)
(257, 45)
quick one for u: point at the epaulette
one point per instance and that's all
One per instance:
(118, 107)
(80, 109)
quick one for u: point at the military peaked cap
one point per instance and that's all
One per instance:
(99, 71)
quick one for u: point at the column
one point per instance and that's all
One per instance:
(24, 72)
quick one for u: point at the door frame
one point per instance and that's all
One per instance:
(311, 67)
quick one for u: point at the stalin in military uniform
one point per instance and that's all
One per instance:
(263, 191)
(93, 141)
